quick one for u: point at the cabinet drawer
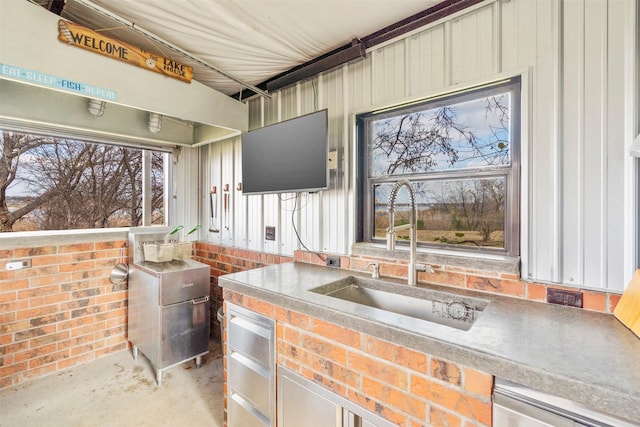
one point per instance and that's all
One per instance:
(251, 380)
(241, 413)
(251, 338)
(250, 368)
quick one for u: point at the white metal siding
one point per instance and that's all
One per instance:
(575, 52)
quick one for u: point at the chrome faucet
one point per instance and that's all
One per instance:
(375, 273)
(412, 278)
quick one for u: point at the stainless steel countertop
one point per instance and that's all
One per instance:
(587, 357)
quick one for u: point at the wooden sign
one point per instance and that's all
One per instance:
(85, 38)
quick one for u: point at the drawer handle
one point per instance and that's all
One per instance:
(200, 300)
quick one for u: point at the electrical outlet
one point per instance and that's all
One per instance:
(564, 297)
(269, 233)
(333, 261)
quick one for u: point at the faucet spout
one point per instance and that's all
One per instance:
(412, 276)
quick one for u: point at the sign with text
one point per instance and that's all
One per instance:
(41, 79)
(85, 38)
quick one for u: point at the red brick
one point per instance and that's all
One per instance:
(21, 356)
(379, 348)
(324, 381)
(377, 369)
(14, 285)
(452, 399)
(507, 287)
(441, 418)
(34, 252)
(337, 333)
(76, 360)
(324, 349)
(441, 277)
(39, 292)
(412, 359)
(478, 382)
(335, 371)
(536, 292)
(259, 306)
(6, 254)
(77, 266)
(48, 280)
(377, 407)
(446, 371)
(614, 299)
(77, 247)
(394, 398)
(595, 301)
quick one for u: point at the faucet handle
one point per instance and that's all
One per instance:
(375, 273)
(425, 268)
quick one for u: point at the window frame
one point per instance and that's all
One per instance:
(365, 209)
(146, 149)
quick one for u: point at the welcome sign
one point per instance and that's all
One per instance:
(85, 38)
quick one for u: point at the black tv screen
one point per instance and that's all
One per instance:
(289, 156)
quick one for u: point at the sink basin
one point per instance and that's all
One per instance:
(444, 308)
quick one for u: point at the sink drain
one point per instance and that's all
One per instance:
(456, 310)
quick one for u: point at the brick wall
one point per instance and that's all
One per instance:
(406, 387)
(225, 260)
(473, 279)
(61, 312)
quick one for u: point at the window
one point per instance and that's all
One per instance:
(461, 154)
(49, 183)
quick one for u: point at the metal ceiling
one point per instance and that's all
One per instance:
(240, 47)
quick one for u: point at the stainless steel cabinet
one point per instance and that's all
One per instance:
(518, 406)
(303, 403)
(250, 368)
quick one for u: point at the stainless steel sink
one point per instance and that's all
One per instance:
(444, 308)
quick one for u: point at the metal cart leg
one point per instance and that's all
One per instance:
(159, 376)
(198, 361)
(135, 352)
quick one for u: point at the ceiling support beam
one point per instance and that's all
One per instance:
(358, 47)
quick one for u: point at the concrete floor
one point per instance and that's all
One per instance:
(117, 391)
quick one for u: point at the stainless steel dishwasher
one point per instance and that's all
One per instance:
(518, 406)
(169, 307)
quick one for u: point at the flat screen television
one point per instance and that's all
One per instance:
(289, 156)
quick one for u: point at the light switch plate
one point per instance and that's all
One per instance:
(18, 265)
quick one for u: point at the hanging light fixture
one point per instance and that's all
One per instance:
(96, 107)
(155, 122)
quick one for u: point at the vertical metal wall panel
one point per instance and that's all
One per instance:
(185, 188)
(240, 229)
(212, 176)
(389, 73)
(290, 100)
(359, 84)
(271, 202)
(578, 121)
(427, 61)
(308, 94)
(334, 214)
(595, 178)
(519, 33)
(255, 207)
(472, 45)
(227, 196)
(255, 113)
(289, 103)
(615, 147)
(573, 142)
(543, 260)
(255, 222)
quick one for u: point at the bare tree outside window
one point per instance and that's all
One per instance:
(458, 155)
(56, 184)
